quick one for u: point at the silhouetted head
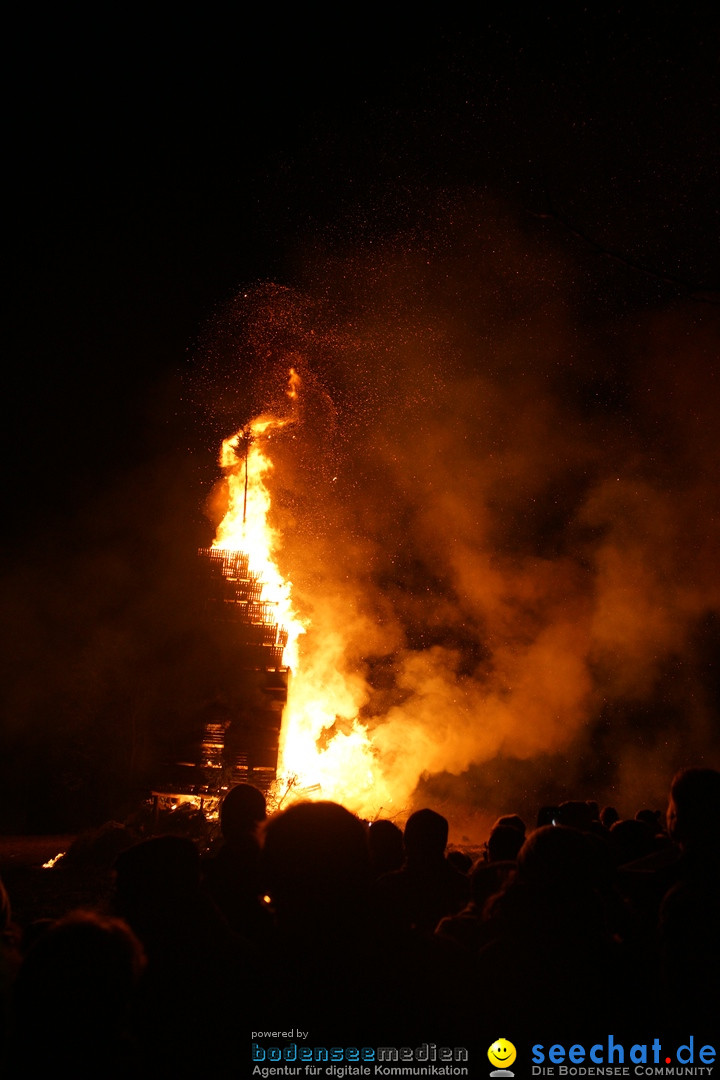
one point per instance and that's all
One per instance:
(576, 815)
(608, 816)
(82, 967)
(558, 858)
(241, 811)
(157, 871)
(315, 859)
(426, 835)
(486, 879)
(651, 819)
(460, 860)
(693, 813)
(386, 846)
(504, 843)
(514, 821)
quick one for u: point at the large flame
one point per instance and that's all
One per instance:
(324, 749)
(491, 600)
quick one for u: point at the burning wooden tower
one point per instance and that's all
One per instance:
(240, 743)
(243, 681)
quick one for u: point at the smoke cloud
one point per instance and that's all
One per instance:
(499, 513)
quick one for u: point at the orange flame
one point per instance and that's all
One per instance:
(324, 749)
(245, 526)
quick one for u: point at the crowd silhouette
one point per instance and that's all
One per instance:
(365, 933)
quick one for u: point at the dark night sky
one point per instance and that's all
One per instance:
(156, 167)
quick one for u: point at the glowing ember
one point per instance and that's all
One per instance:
(209, 805)
(53, 862)
(325, 751)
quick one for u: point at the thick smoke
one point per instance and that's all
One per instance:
(499, 512)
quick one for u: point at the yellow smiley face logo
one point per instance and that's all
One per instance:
(502, 1053)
